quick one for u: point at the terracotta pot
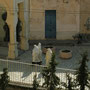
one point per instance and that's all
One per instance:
(65, 54)
(45, 49)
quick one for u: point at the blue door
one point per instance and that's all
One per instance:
(50, 24)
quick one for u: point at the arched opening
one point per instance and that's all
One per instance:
(3, 17)
(18, 30)
(6, 28)
(4, 33)
(20, 22)
(21, 30)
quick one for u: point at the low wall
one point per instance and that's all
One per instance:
(20, 87)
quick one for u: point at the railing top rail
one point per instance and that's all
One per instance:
(72, 70)
(21, 62)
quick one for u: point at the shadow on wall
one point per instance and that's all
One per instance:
(2, 23)
(6, 27)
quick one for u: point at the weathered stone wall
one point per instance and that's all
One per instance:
(84, 14)
(67, 18)
(22, 87)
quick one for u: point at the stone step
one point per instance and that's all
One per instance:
(52, 42)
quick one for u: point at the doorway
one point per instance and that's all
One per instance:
(50, 24)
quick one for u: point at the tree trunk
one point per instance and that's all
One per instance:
(82, 87)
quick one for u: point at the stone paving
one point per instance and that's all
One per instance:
(26, 56)
(69, 63)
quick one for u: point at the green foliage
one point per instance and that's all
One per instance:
(51, 80)
(35, 83)
(4, 80)
(82, 74)
(70, 84)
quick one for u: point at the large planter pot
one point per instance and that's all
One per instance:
(65, 54)
(45, 49)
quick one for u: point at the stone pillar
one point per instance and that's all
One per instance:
(24, 43)
(24, 33)
(12, 21)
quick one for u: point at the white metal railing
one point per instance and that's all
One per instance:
(23, 73)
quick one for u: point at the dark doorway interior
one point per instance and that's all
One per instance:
(7, 32)
(6, 28)
(50, 24)
(18, 30)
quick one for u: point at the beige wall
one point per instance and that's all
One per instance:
(70, 17)
(67, 18)
(85, 13)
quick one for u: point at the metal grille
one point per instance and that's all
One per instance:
(22, 73)
(88, 23)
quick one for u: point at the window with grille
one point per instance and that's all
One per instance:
(88, 23)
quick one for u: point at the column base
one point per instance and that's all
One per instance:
(24, 45)
(13, 51)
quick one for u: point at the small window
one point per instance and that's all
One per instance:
(65, 1)
(88, 23)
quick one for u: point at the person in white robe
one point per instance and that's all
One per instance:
(35, 54)
(48, 56)
(40, 52)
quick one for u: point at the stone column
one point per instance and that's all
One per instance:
(12, 21)
(24, 33)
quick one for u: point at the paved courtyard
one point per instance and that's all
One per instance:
(72, 63)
